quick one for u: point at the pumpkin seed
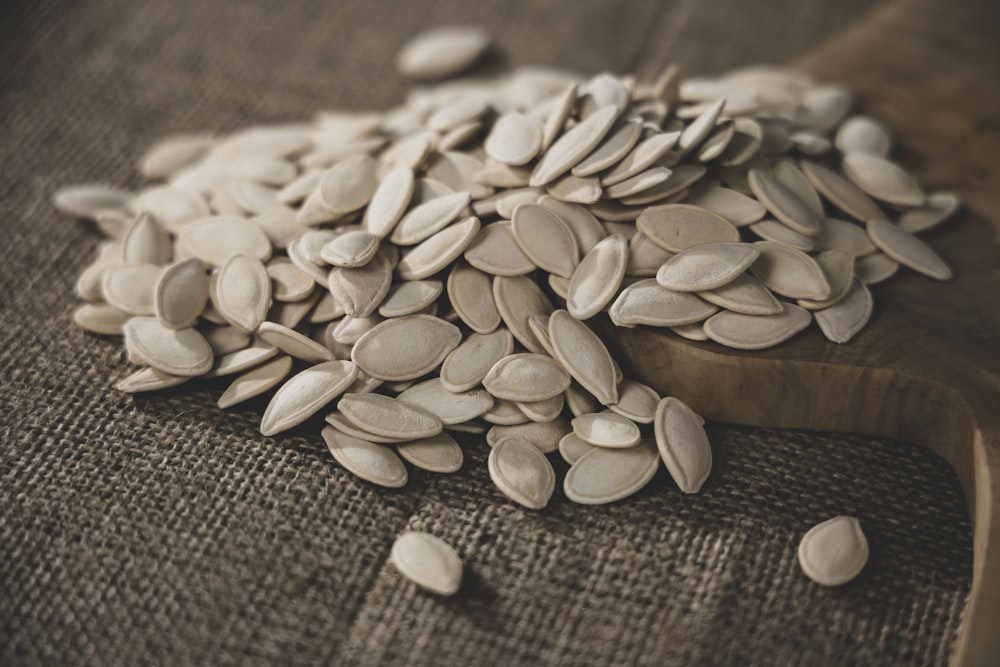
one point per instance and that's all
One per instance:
(373, 463)
(833, 552)
(305, 394)
(522, 473)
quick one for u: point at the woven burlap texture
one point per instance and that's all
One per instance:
(161, 530)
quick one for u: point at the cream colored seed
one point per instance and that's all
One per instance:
(522, 473)
(448, 406)
(526, 377)
(404, 348)
(388, 417)
(439, 453)
(833, 552)
(373, 463)
(306, 394)
(604, 475)
(683, 444)
(597, 278)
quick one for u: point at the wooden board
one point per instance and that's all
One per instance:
(927, 370)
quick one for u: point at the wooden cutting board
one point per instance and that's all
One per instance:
(927, 369)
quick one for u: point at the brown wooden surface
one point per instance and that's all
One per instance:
(927, 370)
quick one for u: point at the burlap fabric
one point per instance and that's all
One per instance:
(160, 530)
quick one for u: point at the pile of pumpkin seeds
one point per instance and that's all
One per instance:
(434, 268)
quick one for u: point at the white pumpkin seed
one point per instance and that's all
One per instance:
(242, 292)
(607, 429)
(428, 218)
(863, 134)
(677, 227)
(546, 410)
(181, 293)
(101, 318)
(584, 356)
(149, 379)
(373, 463)
(783, 203)
(756, 332)
(844, 319)
(604, 475)
(388, 417)
(467, 365)
(495, 251)
(683, 444)
(545, 239)
(410, 297)
(305, 394)
(643, 156)
(515, 139)
(522, 473)
(585, 227)
(526, 377)
(882, 179)
(439, 453)
(293, 343)
(841, 192)
(351, 249)
(619, 142)
(636, 401)
(572, 447)
(256, 382)
(842, 235)
(517, 299)
(146, 242)
(938, 208)
(575, 189)
(470, 293)
(597, 278)
(737, 208)
(241, 360)
(569, 149)
(182, 352)
(404, 348)
(647, 302)
(348, 185)
(359, 291)
(544, 436)
(215, 240)
(875, 268)
(132, 288)
(706, 267)
(790, 272)
(907, 249)
(833, 552)
(442, 52)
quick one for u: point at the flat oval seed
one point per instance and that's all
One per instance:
(522, 473)
(842, 235)
(289, 283)
(448, 406)
(438, 251)
(149, 379)
(543, 411)
(359, 291)
(677, 227)
(842, 193)
(792, 178)
(526, 377)
(350, 249)
(173, 153)
(699, 129)
(439, 453)
(642, 157)
(647, 302)
(389, 201)
(585, 227)
(101, 318)
(555, 120)
(863, 134)
(342, 424)
(545, 239)
(756, 332)
(404, 348)
(146, 242)
(597, 278)
(636, 401)
(470, 292)
(373, 463)
(938, 207)
(469, 363)
(86, 201)
(706, 267)
(517, 299)
(348, 185)
(215, 240)
(181, 294)
(844, 319)
(306, 394)
(783, 203)
(504, 413)
(543, 436)
(833, 552)
(907, 249)
(838, 267)
(243, 292)
(584, 356)
(428, 562)
(746, 295)
(772, 230)
(569, 149)
(619, 142)
(572, 447)
(293, 343)
(132, 288)
(508, 200)
(515, 139)
(388, 417)
(442, 52)
(875, 268)
(177, 352)
(495, 251)
(241, 360)
(172, 207)
(256, 382)
(410, 297)
(644, 256)
(428, 218)
(735, 207)
(604, 475)
(607, 429)
(575, 189)
(683, 444)
(790, 272)
(882, 179)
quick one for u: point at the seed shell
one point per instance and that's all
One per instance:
(833, 552)
(305, 394)
(373, 463)
(522, 473)
(683, 444)
(604, 475)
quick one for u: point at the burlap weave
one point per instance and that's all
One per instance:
(160, 530)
